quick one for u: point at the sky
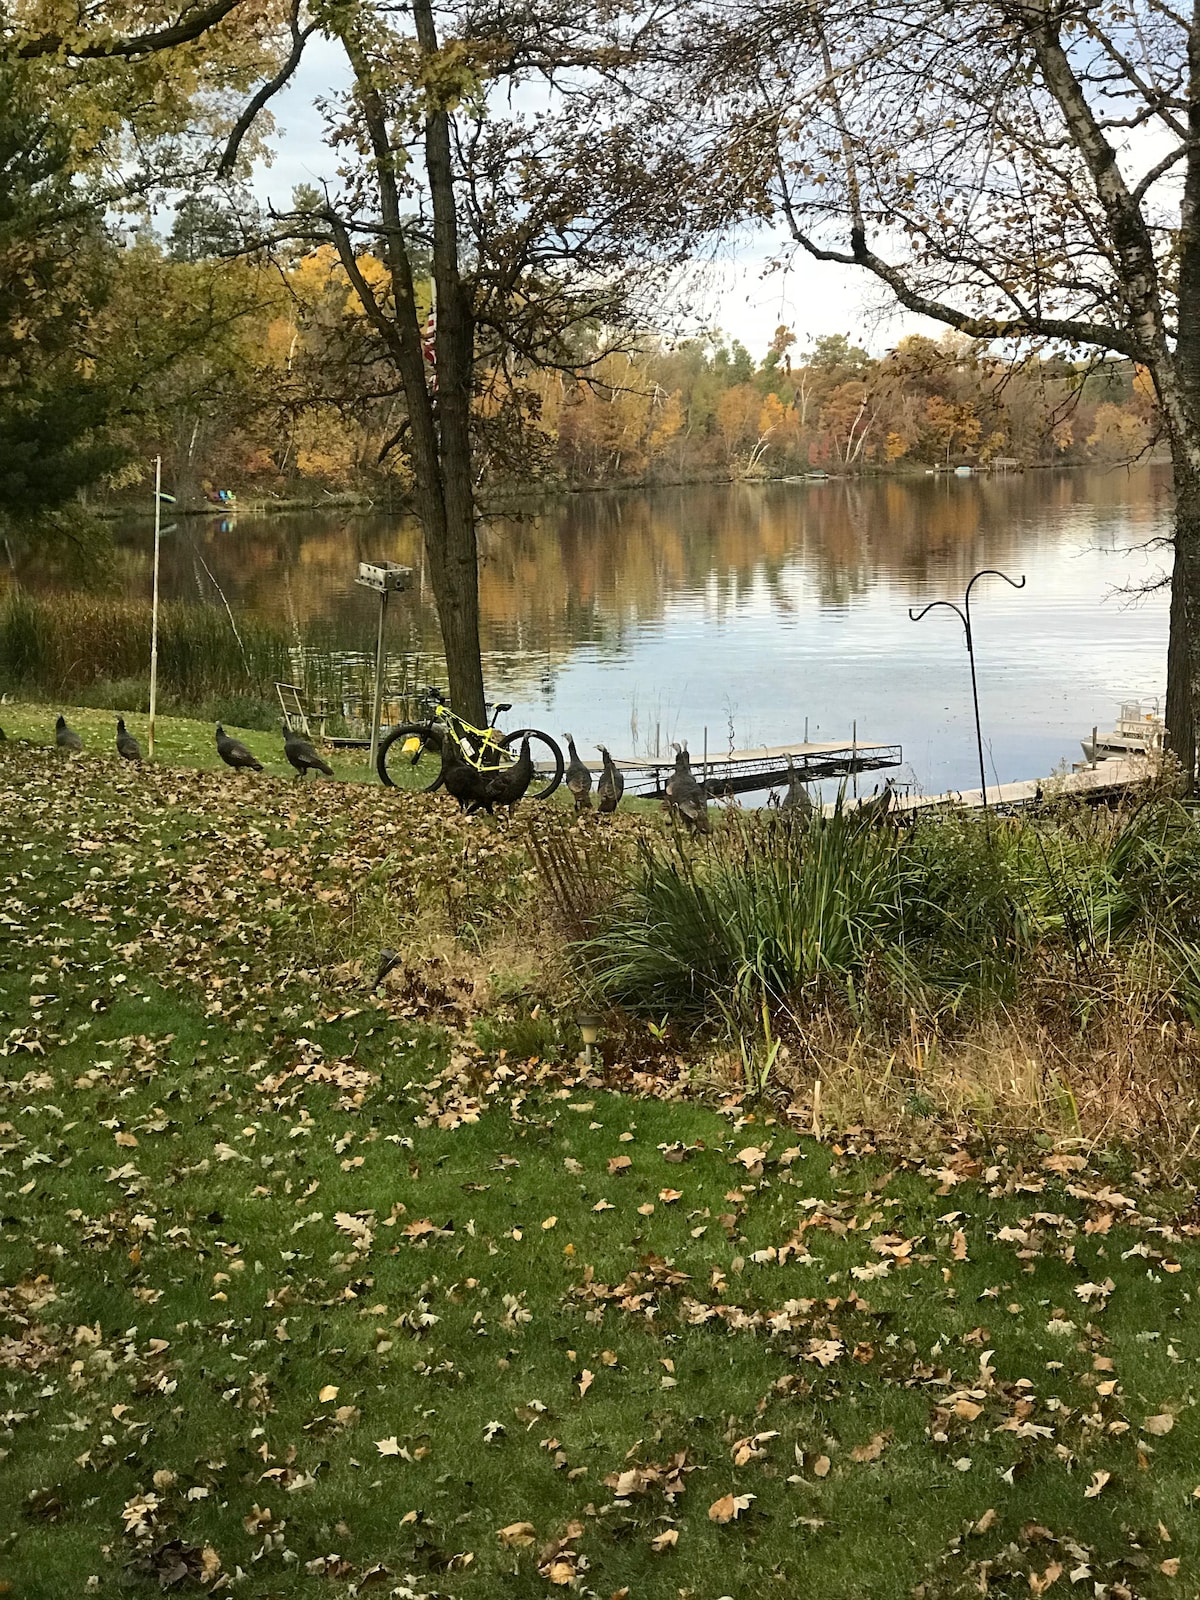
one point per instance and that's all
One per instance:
(737, 291)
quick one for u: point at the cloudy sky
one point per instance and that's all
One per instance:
(736, 290)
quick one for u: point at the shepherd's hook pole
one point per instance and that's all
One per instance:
(963, 613)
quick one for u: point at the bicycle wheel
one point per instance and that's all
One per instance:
(547, 760)
(413, 753)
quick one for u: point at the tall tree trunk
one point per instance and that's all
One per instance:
(455, 565)
(439, 430)
(1183, 647)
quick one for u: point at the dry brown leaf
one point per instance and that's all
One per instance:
(1159, 1425)
(329, 1392)
(821, 1467)
(617, 1164)
(729, 1507)
(517, 1535)
(872, 1450)
(585, 1380)
(666, 1540)
(1099, 1479)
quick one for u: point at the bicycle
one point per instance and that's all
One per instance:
(416, 748)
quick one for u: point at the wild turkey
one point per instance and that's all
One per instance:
(577, 778)
(611, 785)
(388, 962)
(127, 746)
(507, 786)
(302, 755)
(234, 753)
(459, 779)
(684, 795)
(797, 797)
(66, 738)
(877, 807)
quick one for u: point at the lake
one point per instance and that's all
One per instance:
(752, 610)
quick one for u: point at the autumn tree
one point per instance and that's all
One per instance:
(1022, 171)
(55, 271)
(539, 227)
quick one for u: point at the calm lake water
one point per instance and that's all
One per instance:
(635, 619)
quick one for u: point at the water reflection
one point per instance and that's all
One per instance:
(629, 617)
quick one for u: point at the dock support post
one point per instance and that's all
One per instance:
(854, 758)
(1095, 736)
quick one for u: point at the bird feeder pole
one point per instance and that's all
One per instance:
(385, 577)
(377, 698)
(154, 605)
(963, 613)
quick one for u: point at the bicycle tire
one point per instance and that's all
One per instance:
(550, 755)
(430, 751)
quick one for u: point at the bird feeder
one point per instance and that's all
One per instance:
(589, 1032)
(385, 578)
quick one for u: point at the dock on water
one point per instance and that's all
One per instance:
(1096, 783)
(761, 767)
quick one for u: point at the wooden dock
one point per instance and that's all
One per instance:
(762, 767)
(1097, 783)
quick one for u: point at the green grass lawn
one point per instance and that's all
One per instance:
(309, 1290)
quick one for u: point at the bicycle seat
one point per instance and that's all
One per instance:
(504, 705)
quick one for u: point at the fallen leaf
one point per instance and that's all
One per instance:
(329, 1392)
(669, 1196)
(618, 1164)
(517, 1535)
(668, 1539)
(1099, 1479)
(586, 1379)
(1159, 1425)
(729, 1507)
(751, 1157)
(872, 1450)
(388, 1447)
(821, 1467)
(550, 1222)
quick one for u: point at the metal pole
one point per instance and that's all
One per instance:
(975, 702)
(1095, 738)
(154, 605)
(378, 701)
(704, 769)
(963, 613)
(854, 758)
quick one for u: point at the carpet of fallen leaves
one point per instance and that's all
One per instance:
(312, 1291)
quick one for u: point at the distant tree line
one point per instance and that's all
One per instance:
(265, 377)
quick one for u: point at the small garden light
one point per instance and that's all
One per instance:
(589, 1029)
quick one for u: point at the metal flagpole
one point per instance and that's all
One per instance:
(154, 604)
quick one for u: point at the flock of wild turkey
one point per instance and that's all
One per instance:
(484, 789)
(299, 751)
